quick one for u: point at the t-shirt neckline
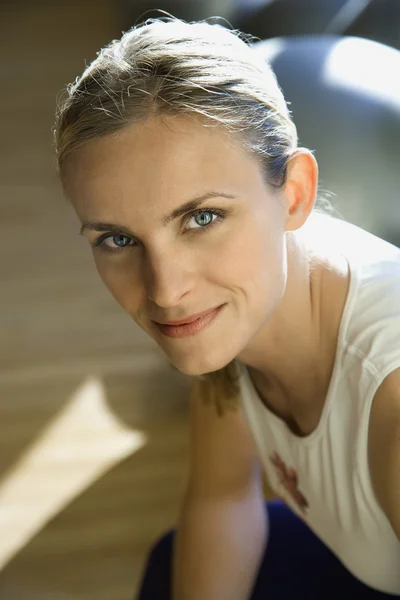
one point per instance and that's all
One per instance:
(340, 348)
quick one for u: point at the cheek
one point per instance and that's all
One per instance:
(254, 261)
(120, 281)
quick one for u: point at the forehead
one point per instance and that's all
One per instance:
(158, 158)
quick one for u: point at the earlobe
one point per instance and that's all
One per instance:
(300, 188)
(295, 218)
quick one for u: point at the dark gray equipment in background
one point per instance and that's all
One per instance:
(377, 20)
(345, 99)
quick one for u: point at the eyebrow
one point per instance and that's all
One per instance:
(166, 219)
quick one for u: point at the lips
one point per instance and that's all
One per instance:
(187, 319)
(190, 329)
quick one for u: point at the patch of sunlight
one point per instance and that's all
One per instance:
(82, 442)
(366, 67)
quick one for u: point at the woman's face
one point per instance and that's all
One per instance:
(232, 253)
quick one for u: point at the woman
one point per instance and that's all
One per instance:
(293, 341)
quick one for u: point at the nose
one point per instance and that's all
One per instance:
(167, 279)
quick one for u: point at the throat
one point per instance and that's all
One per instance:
(299, 408)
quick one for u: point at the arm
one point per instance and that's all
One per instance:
(384, 448)
(222, 530)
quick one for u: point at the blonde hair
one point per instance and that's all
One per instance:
(165, 67)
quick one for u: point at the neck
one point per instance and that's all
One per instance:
(291, 359)
(290, 338)
(286, 358)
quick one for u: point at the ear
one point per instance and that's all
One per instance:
(300, 189)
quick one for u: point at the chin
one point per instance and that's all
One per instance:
(200, 367)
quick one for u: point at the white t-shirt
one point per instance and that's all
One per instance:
(324, 477)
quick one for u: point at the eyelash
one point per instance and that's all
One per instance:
(219, 213)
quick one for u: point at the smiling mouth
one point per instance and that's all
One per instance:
(188, 320)
(192, 328)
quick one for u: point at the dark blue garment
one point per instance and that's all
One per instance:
(296, 566)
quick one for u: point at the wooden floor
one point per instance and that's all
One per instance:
(92, 420)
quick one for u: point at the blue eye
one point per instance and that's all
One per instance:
(120, 241)
(216, 213)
